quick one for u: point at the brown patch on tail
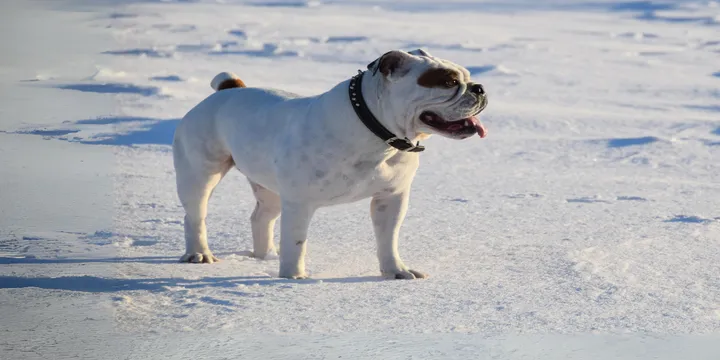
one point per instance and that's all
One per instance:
(231, 83)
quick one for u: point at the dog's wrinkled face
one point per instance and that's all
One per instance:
(429, 95)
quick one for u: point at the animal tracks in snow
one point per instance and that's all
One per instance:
(587, 200)
(118, 130)
(151, 53)
(114, 88)
(171, 78)
(162, 221)
(119, 15)
(247, 46)
(265, 50)
(624, 142)
(630, 198)
(173, 51)
(119, 240)
(636, 35)
(691, 219)
(346, 39)
(524, 196)
(707, 108)
(175, 28)
(596, 199)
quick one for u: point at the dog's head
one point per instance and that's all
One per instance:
(428, 95)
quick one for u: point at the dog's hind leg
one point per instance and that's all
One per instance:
(267, 210)
(293, 238)
(196, 181)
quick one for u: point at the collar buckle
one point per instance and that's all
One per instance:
(404, 144)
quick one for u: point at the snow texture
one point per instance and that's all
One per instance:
(586, 226)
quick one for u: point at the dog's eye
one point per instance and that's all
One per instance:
(451, 83)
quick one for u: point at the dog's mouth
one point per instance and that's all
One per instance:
(462, 128)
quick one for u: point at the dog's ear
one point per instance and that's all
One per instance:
(390, 64)
(420, 52)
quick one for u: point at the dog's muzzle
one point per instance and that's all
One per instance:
(466, 126)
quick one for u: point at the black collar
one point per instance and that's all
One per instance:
(372, 123)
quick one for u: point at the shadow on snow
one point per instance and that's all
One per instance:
(148, 131)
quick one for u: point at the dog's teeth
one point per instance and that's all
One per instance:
(467, 122)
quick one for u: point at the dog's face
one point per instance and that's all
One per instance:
(429, 95)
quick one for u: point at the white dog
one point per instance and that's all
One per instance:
(356, 141)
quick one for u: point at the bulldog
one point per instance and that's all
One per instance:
(358, 140)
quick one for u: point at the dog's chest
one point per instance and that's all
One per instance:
(353, 178)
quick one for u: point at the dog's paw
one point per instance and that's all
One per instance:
(199, 258)
(270, 255)
(406, 274)
(293, 275)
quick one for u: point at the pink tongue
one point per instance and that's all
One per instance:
(479, 127)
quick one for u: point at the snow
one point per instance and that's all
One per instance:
(585, 226)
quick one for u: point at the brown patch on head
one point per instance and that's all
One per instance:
(231, 83)
(391, 63)
(439, 78)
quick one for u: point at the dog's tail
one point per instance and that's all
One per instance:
(226, 80)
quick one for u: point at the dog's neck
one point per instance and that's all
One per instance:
(378, 104)
(358, 138)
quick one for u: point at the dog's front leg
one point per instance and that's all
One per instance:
(388, 212)
(294, 224)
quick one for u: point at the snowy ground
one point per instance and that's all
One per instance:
(586, 226)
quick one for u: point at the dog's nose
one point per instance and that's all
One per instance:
(477, 89)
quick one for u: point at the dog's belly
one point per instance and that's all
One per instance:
(346, 183)
(353, 179)
(341, 194)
